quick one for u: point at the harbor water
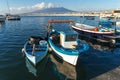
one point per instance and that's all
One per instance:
(92, 65)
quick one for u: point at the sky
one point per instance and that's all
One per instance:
(21, 6)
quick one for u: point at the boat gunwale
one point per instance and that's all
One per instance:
(62, 50)
(78, 28)
(31, 50)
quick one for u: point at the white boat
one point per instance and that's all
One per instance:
(35, 49)
(66, 44)
(12, 17)
(2, 18)
(93, 31)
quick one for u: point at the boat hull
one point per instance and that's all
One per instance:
(37, 70)
(13, 18)
(71, 59)
(93, 34)
(35, 59)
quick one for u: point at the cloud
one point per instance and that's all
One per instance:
(2, 11)
(50, 5)
(38, 6)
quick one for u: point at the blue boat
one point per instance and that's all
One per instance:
(106, 23)
(35, 49)
(66, 44)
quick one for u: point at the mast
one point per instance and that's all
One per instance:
(83, 18)
(8, 7)
(115, 24)
(98, 19)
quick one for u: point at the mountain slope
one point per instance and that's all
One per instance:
(53, 10)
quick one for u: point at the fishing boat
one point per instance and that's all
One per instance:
(93, 32)
(35, 49)
(66, 44)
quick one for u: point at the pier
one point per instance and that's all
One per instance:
(74, 14)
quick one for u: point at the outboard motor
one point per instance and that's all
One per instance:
(35, 39)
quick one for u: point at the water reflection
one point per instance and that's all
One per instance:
(2, 23)
(13, 34)
(81, 73)
(2, 27)
(77, 72)
(98, 62)
(45, 70)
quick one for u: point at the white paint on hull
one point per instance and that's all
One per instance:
(72, 59)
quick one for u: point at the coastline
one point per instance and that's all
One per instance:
(70, 14)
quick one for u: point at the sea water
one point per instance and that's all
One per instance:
(13, 65)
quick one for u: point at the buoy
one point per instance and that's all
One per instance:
(95, 29)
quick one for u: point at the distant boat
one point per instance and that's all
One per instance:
(66, 44)
(89, 17)
(2, 18)
(35, 49)
(93, 32)
(109, 21)
(12, 17)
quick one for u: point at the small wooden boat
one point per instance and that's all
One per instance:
(35, 49)
(93, 32)
(66, 44)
